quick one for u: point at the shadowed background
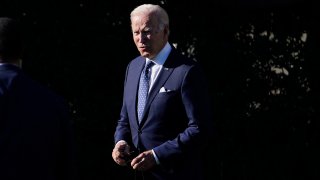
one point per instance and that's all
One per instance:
(260, 57)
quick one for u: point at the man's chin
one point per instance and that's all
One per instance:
(145, 54)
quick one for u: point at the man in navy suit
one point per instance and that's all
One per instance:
(36, 133)
(168, 140)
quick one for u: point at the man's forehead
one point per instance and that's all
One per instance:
(143, 24)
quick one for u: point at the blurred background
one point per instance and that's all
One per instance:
(261, 60)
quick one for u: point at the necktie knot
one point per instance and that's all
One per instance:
(148, 69)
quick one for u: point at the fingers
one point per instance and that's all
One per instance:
(122, 146)
(121, 155)
(144, 161)
(118, 157)
(119, 152)
(138, 163)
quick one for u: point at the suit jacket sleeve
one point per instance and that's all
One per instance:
(196, 103)
(123, 127)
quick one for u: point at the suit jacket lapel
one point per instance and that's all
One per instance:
(166, 71)
(134, 81)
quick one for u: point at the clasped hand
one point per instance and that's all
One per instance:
(121, 153)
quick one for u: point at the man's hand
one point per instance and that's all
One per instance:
(144, 161)
(119, 153)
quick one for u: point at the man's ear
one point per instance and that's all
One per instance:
(166, 30)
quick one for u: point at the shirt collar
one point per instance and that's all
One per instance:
(163, 55)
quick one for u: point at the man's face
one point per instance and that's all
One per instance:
(147, 36)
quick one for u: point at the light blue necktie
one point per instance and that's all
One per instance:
(144, 88)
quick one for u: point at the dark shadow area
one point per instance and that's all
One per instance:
(261, 59)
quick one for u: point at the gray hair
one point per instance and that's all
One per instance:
(156, 10)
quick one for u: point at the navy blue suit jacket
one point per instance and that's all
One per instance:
(175, 123)
(36, 134)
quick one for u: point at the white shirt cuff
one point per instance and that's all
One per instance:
(155, 157)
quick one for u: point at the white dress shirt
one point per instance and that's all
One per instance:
(159, 60)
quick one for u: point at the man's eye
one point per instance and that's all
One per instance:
(146, 32)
